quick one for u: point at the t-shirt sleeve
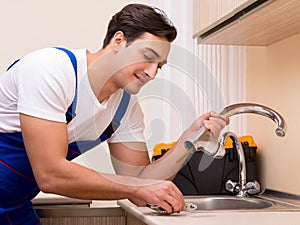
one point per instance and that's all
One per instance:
(132, 125)
(46, 84)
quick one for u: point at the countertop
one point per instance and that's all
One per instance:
(50, 205)
(226, 217)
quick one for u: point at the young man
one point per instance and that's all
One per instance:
(37, 140)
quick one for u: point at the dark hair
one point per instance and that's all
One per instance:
(136, 19)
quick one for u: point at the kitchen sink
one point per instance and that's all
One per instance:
(224, 202)
(213, 203)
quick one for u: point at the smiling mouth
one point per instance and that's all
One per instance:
(142, 79)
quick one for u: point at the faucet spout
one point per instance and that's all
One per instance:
(257, 109)
(206, 142)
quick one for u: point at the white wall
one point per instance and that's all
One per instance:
(33, 24)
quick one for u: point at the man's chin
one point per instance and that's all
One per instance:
(133, 88)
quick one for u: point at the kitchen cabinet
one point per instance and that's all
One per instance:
(80, 214)
(84, 221)
(208, 13)
(250, 22)
(133, 220)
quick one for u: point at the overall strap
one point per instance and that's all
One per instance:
(115, 123)
(78, 147)
(11, 65)
(70, 114)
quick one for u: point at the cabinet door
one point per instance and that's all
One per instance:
(84, 220)
(260, 23)
(132, 220)
(207, 13)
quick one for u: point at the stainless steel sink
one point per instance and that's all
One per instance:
(227, 203)
(204, 203)
(213, 203)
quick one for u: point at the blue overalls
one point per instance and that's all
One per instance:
(17, 183)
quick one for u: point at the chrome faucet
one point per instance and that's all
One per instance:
(206, 142)
(257, 109)
(242, 188)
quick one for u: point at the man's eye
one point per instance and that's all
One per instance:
(150, 58)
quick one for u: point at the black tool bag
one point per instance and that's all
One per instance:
(192, 181)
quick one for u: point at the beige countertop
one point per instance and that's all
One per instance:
(53, 199)
(51, 205)
(225, 217)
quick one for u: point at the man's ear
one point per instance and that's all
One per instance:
(118, 40)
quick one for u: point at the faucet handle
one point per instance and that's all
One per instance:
(253, 187)
(231, 186)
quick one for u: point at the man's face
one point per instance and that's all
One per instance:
(139, 62)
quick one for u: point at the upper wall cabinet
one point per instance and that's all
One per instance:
(245, 22)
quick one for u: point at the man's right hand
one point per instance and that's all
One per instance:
(162, 193)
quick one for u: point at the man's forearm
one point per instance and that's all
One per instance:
(167, 166)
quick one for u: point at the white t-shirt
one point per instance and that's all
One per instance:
(42, 84)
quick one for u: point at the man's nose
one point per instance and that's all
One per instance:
(151, 70)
